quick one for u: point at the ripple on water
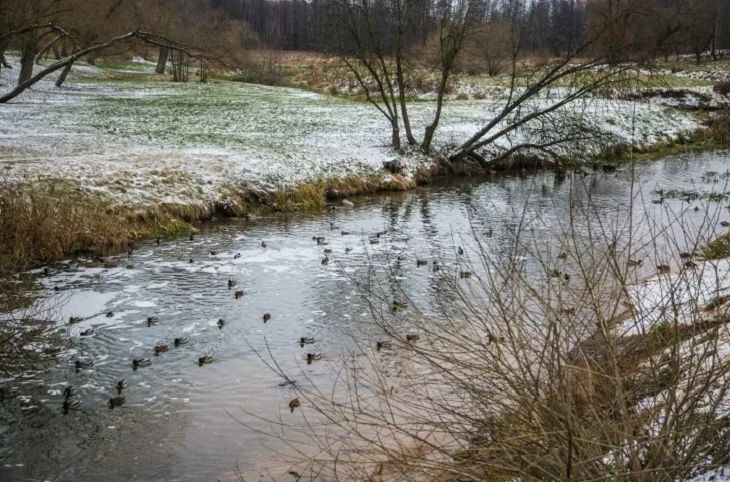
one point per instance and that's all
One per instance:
(181, 420)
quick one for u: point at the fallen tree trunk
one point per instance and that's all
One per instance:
(68, 61)
(22, 86)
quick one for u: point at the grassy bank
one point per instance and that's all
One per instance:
(46, 221)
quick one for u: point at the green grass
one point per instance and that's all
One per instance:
(718, 248)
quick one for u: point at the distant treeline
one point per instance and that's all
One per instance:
(660, 27)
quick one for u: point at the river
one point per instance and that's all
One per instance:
(182, 421)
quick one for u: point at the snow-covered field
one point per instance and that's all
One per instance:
(143, 141)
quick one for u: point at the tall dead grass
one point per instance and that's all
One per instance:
(45, 222)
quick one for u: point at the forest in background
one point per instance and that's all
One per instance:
(227, 29)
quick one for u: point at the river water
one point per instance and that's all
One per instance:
(182, 421)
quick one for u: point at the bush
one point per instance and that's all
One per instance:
(516, 373)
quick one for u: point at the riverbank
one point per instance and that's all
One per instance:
(119, 154)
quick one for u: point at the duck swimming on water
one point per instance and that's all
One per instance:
(221, 323)
(379, 345)
(121, 385)
(205, 359)
(306, 340)
(313, 356)
(181, 340)
(84, 364)
(69, 391)
(161, 348)
(267, 317)
(117, 401)
(141, 362)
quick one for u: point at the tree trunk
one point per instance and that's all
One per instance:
(3, 60)
(431, 129)
(396, 135)
(402, 94)
(64, 73)
(27, 57)
(162, 61)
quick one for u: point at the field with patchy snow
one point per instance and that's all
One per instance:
(139, 140)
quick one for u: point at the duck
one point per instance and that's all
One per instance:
(379, 345)
(190, 261)
(306, 340)
(263, 244)
(690, 265)
(205, 359)
(221, 323)
(141, 362)
(421, 262)
(381, 233)
(348, 250)
(84, 364)
(182, 340)
(566, 277)
(685, 255)
(117, 401)
(237, 255)
(232, 283)
(152, 320)
(345, 233)
(87, 332)
(563, 255)
(321, 241)
(294, 403)
(465, 274)
(70, 403)
(312, 357)
(318, 239)
(460, 251)
(725, 224)
(634, 262)
(325, 261)
(161, 348)
(267, 317)
(121, 385)
(74, 319)
(412, 337)
(374, 241)
(110, 314)
(238, 294)
(214, 253)
(495, 338)
(555, 273)
(333, 227)
(192, 237)
(327, 251)
(663, 269)
(69, 391)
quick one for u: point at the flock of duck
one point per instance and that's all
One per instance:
(70, 393)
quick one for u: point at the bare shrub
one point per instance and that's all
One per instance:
(589, 357)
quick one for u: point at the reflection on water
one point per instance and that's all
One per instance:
(178, 421)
